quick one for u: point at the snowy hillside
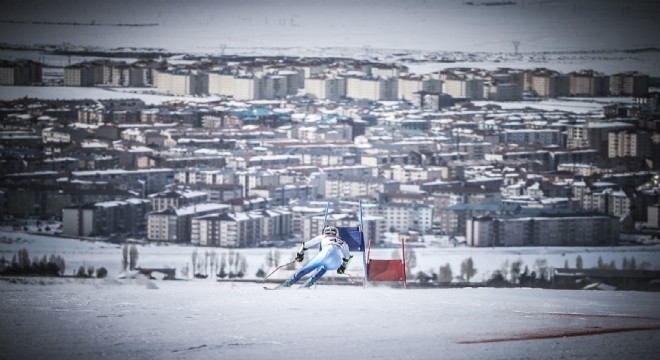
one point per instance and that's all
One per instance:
(562, 35)
(142, 319)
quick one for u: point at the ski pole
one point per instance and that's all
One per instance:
(279, 267)
(350, 278)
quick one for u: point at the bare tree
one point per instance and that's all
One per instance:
(276, 258)
(223, 264)
(134, 256)
(124, 261)
(516, 267)
(206, 262)
(194, 261)
(467, 269)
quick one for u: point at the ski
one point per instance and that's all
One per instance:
(272, 288)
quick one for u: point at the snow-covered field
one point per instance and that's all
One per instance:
(143, 319)
(428, 259)
(138, 318)
(562, 35)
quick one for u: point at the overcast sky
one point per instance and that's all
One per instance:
(206, 25)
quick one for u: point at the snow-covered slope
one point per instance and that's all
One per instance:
(141, 319)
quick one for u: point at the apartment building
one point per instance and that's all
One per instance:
(228, 230)
(249, 86)
(331, 132)
(327, 87)
(105, 218)
(352, 188)
(372, 88)
(584, 156)
(588, 83)
(630, 143)
(472, 89)
(533, 159)
(20, 72)
(607, 201)
(409, 85)
(533, 137)
(432, 101)
(546, 83)
(593, 135)
(176, 199)
(411, 173)
(622, 144)
(127, 75)
(243, 229)
(453, 218)
(79, 75)
(150, 180)
(557, 230)
(175, 224)
(182, 82)
(408, 217)
(503, 92)
(63, 135)
(386, 70)
(630, 83)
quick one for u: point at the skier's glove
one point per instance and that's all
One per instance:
(299, 256)
(344, 264)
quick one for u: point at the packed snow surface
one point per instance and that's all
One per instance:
(140, 318)
(203, 319)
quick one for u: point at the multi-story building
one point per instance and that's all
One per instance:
(407, 217)
(607, 201)
(20, 72)
(182, 82)
(409, 85)
(175, 224)
(410, 173)
(472, 89)
(453, 219)
(175, 199)
(593, 135)
(105, 218)
(432, 101)
(371, 88)
(546, 83)
(79, 75)
(326, 87)
(228, 230)
(534, 137)
(352, 188)
(503, 92)
(282, 194)
(630, 83)
(588, 83)
(622, 144)
(542, 231)
(150, 180)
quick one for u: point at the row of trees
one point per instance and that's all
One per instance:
(515, 272)
(22, 265)
(232, 264)
(53, 265)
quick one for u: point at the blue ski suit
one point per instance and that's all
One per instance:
(334, 252)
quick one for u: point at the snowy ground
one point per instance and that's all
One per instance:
(98, 254)
(564, 35)
(143, 319)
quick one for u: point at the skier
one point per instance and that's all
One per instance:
(334, 254)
